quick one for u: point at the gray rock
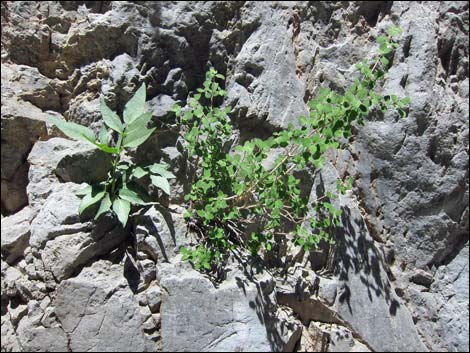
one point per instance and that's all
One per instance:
(154, 298)
(22, 125)
(411, 175)
(58, 215)
(320, 337)
(160, 233)
(422, 277)
(260, 86)
(98, 312)
(15, 234)
(62, 241)
(232, 317)
(160, 106)
(64, 160)
(9, 342)
(365, 298)
(40, 339)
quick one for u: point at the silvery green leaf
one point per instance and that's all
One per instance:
(139, 172)
(137, 137)
(140, 123)
(110, 118)
(105, 206)
(103, 135)
(161, 183)
(90, 200)
(131, 196)
(122, 208)
(72, 130)
(161, 170)
(136, 106)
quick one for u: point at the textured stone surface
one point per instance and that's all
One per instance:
(235, 316)
(98, 311)
(62, 241)
(398, 277)
(160, 233)
(60, 159)
(15, 234)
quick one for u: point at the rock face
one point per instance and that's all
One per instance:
(98, 312)
(397, 278)
(230, 318)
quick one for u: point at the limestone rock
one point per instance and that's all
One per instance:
(398, 276)
(62, 241)
(160, 233)
(15, 234)
(97, 311)
(235, 316)
(64, 160)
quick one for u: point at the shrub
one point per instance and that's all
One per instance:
(232, 189)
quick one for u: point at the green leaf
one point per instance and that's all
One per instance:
(161, 170)
(140, 123)
(136, 106)
(72, 130)
(86, 190)
(394, 30)
(384, 61)
(106, 148)
(103, 135)
(131, 196)
(137, 137)
(111, 118)
(105, 206)
(139, 172)
(122, 209)
(90, 200)
(161, 183)
(176, 109)
(402, 112)
(405, 101)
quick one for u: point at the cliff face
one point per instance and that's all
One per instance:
(397, 279)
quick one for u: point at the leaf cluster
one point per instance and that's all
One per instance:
(125, 183)
(235, 188)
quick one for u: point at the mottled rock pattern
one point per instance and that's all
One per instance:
(98, 311)
(398, 277)
(236, 316)
(15, 234)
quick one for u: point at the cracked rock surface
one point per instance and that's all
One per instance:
(397, 278)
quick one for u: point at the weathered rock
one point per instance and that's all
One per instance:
(62, 241)
(235, 316)
(411, 175)
(329, 338)
(9, 341)
(97, 310)
(64, 160)
(154, 298)
(422, 277)
(365, 299)
(257, 66)
(15, 234)
(161, 232)
(39, 339)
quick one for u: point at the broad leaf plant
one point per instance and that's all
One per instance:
(123, 186)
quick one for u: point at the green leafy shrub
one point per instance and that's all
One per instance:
(124, 186)
(233, 191)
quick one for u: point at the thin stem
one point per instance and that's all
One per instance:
(116, 162)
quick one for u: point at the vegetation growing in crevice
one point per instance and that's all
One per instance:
(123, 186)
(237, 199)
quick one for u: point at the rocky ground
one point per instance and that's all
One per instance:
(397, 279)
